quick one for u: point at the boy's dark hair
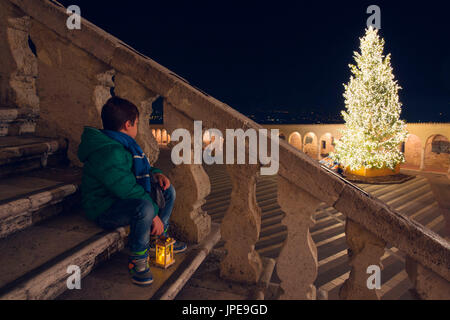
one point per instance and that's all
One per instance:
(116, 112)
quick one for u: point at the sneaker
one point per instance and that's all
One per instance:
(139, 269)
(178, 246)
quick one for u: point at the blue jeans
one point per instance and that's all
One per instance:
(139, 214)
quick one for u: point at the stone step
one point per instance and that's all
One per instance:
(328, 231)
(221, 201)
(37, 195)
(332, 228)
(421, 201)
(267, 219)
(273, 239)
(396, 287)
(275, 218)
(332, 274)
(270, 230)
(323, 225)
(331, 248)
(333, 269)
(390, 192)
(214, 193)
(34, 262)
(268, 206)
(272, 251)
(206, 283)
(20, 154)
(413, 198)
(16, 122)
(224, 188)
(110, 281)
(330, 239)
(332, 214)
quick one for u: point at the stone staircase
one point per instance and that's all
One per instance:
(14, 122)
(43, 231)
(41, 223)
(414, 198)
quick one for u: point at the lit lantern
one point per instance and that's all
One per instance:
(164, 252)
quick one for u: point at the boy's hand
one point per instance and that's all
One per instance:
(158, 227)
(164, 182)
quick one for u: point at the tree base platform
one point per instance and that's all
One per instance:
(392, 179)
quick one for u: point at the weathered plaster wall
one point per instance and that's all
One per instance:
(310, 146)
(434, 161)
(417, 152)
(68, 77)
(295, 139)
(73, 87)
(413, 151)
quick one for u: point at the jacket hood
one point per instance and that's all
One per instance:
(92, 140)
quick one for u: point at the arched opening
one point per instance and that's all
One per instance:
(164, 136)
(154, 133)
(158, 136)
(326, 145)
(282, 136)
(435, 160)
(310, 145)
(295, 139)
(412, 151)
(207, 138)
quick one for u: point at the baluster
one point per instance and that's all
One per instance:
(297, 264)
(188, 221)
(428, 285)
(365, 250)
(241, 226)
(18, 73)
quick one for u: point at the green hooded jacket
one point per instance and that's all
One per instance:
(107, 173)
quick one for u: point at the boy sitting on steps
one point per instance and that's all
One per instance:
(116, 187)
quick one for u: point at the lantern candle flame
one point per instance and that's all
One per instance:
(164, 252)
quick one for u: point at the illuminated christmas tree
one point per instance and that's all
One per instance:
(373, 131)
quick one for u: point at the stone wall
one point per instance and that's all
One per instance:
(326, 139)
(295, 139)
(73, 87)
(19, 102)
(413, 151)
(67, 85)
(310, 146)
(434, 161)
(417, 153)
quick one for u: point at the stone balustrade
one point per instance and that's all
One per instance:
(19, 102)
(80, 69)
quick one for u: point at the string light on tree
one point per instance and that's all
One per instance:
(373, 130)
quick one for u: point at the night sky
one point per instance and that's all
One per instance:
(290, 56)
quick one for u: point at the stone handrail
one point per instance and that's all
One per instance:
(303, 183)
